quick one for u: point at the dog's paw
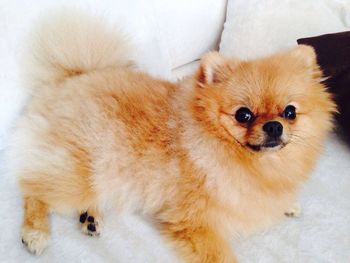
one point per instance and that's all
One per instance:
(294, 211)
(90, 223)
(35, 240)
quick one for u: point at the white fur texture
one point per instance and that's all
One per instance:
(320, 235)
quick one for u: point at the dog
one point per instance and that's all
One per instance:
(219, 153)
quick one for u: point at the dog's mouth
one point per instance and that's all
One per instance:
(269, 145)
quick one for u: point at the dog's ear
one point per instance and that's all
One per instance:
(213, 69)
(306, 58)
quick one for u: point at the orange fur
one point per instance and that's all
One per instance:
(113, 135)
(35, 230)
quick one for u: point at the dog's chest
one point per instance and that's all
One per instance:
(241, 205)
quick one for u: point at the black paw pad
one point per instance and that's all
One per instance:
(289, 214)
(83, 217)
(91, 227)
(89, 224)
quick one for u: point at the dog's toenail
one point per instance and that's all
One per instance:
(91, 227)
(83, 217)
(91, 219)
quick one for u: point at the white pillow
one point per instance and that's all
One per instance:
(167, 34)
(257, 28)
(188, 28)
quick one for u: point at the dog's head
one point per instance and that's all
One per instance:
(263, 104)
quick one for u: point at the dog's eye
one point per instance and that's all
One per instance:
(289, 112)
(243, 115)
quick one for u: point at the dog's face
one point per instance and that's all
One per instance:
(264, 104)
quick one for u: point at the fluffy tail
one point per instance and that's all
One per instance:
(71, 43)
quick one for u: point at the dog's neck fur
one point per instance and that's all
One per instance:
(223, 160)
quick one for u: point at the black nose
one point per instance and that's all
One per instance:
(273, 129)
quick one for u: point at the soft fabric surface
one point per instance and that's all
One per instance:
(258, 28)
(320, 235)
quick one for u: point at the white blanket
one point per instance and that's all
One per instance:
(320, 235)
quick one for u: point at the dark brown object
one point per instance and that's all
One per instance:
(333, 55)
(83, 217)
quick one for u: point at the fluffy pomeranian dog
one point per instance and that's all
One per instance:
(220, 153)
